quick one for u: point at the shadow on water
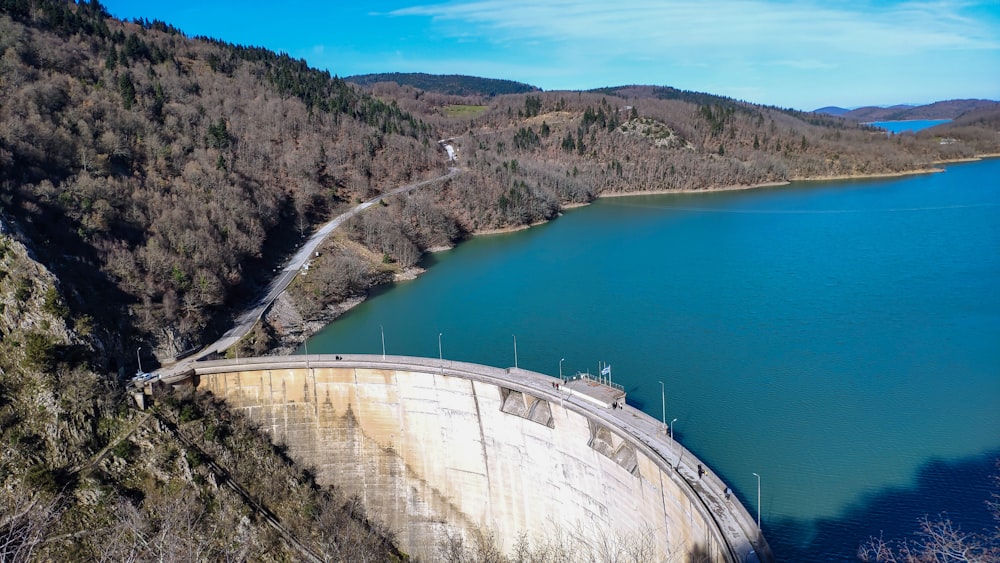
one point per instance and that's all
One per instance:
(634, 400)
(958, 490)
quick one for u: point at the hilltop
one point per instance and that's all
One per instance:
(447, 84)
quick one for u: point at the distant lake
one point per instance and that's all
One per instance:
(838, 338)
(913, 125)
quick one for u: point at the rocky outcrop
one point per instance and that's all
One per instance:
(30, 300)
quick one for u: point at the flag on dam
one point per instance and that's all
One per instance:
(606, 370)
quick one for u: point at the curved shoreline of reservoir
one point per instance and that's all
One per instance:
(335, 310)
(742, 187)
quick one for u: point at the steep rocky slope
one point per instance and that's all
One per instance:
(85, 477)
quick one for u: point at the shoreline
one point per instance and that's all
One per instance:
(514, 229)
(866, 176)
(779, 183)
(729, 188)
(976, 158)
(289, 341)
(943, 119)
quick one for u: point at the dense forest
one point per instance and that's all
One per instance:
(448, 84)
(164, 165)
(150, 182)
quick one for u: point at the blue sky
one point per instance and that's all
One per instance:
(798, 54)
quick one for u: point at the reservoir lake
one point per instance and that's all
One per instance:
(911, 125)
(841, 339)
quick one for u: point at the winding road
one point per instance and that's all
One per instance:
(248, 318)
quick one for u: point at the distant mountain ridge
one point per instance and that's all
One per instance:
(948, 109)
(641, 91)
(832, 110)
(448, 84)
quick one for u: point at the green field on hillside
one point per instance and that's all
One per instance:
(461, 110)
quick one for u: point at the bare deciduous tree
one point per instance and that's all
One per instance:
(26, 520)
(940, 540)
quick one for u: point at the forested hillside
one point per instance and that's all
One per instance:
(528, 154)
(144, 178)
(161, 176)
(83, 477)
(159, 168)
(447, 84)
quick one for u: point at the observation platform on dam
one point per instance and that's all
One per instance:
(654, 477)
(602, 392)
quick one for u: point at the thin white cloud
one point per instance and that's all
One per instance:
(805, 64)
(789, 52)
(766, 26)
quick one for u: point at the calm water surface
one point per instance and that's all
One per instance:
(912, 125)
(840, 339)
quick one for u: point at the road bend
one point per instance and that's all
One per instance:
(248, 318)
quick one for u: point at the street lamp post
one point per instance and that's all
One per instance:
(758, 501)
(663, 402)
(382, 330)
(515, 350)
(560, 368)
(440, 355)
(138, 359)
(680, 454)
(673, 441)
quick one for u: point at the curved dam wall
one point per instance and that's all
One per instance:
(441, 449)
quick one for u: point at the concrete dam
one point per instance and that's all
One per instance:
(441, 449)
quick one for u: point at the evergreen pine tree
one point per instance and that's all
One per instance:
(127, 90)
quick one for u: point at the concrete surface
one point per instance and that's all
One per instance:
(440, 448)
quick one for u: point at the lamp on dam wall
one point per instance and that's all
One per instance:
(758, 501)
(305, 343)
(663, 403)
(560, 367)
(515, 350)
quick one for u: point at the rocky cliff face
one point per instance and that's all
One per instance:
(29, 295)
(48, 399)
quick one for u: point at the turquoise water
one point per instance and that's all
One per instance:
(912, 125)
(841, 339)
